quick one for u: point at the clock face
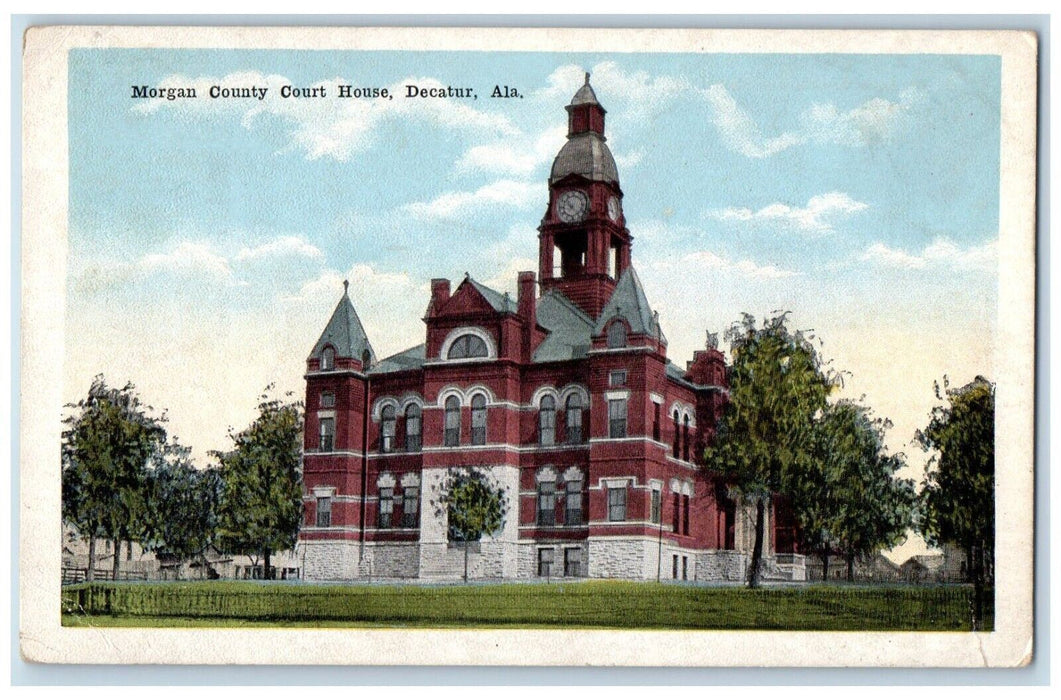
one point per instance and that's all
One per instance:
(613, 208)
(572, 206)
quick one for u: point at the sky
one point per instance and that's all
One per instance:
(208, 239)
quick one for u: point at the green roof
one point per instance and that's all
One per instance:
(345, 333)
(413, 358)
(629, 303)
(499, 302)
(569, 329)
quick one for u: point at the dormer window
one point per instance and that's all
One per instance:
(328, 358)
(617, 335)
(466, 347)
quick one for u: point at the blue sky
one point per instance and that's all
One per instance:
(208, 239)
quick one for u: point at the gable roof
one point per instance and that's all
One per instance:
(629, 302)
(345, 333)
(498, 301)
(413, 358)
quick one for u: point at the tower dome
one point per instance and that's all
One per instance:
(585, 152)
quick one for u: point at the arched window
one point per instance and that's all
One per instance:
(479, 420)
(328, 358)
(573, 419)
(412, 428)
(387, 421)
(685, 440)
(453, 422)
(547, 421)
(677, 435)
(617, 335)
(467, 346)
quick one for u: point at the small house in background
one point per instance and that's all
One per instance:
(877, 568)
(922, 568)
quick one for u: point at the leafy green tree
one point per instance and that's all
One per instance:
(183, 503)
(957, 499)
(473, 508)
(261, 496)
(776, 388)
(110, 438)
(847, 497)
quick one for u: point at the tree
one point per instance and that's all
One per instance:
(957, 500)
(261, 496)
(109, 440)
(847, 496)
(473, 508)
(183, 504)
(776, 387)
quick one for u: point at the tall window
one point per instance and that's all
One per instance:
(685, 440)
(412, 428)
(677, 435)
(617, 503)
(617, 418)
(677, 518)
(328, 358)
(617, 335)
(545, 561)
(655, 422)
(467, 346)
(327, 435)
(453, 421)
(386, 442)
(547, 421)
(573, 502)
(573, 561)
(573, 419)
(657, 505)
(410, 506)
(547, 503)
(324, 511)
(685, 515)
(479, 420)
(386, 506)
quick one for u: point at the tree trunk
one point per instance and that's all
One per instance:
(757, 548)
(265, 572)
(825, 564)
(90, 574)
(117, 558)
(850, 568)
(978, 587)
(466, 561)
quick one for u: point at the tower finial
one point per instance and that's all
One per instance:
(346, 286)
(587, 77)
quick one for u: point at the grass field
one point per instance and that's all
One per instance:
(585, 604)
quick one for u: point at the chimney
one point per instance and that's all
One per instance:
(439, 295)
(527, 298)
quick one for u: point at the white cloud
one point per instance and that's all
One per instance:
(325, 127)
(285, 246)
(451, 204)
(637, 94)
(816, 217)
(706, 260)
(187, 258)
(940, 253)
(510, 157)
(873, 121)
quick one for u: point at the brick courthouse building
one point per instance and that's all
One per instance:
(565, 399)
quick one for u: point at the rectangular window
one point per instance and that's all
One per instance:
(674, 568)
(545, 562)
(685, 515)
(547, 426)
(676, 520)
(573, 503)
(327, 435)
(655, 422)
(410, 506)
(617, 418)
(547, 503)
(617, 504)
(573, 562)
(324, 511)
(685, 568)
(657, 505)
(327, 400)
(386, 507)
(617, 378)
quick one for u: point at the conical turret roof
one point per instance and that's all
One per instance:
(345, 333)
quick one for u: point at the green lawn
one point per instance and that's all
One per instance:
(585, 604)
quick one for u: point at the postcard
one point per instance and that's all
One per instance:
(653, 347)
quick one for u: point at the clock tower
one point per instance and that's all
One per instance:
(584, 245)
